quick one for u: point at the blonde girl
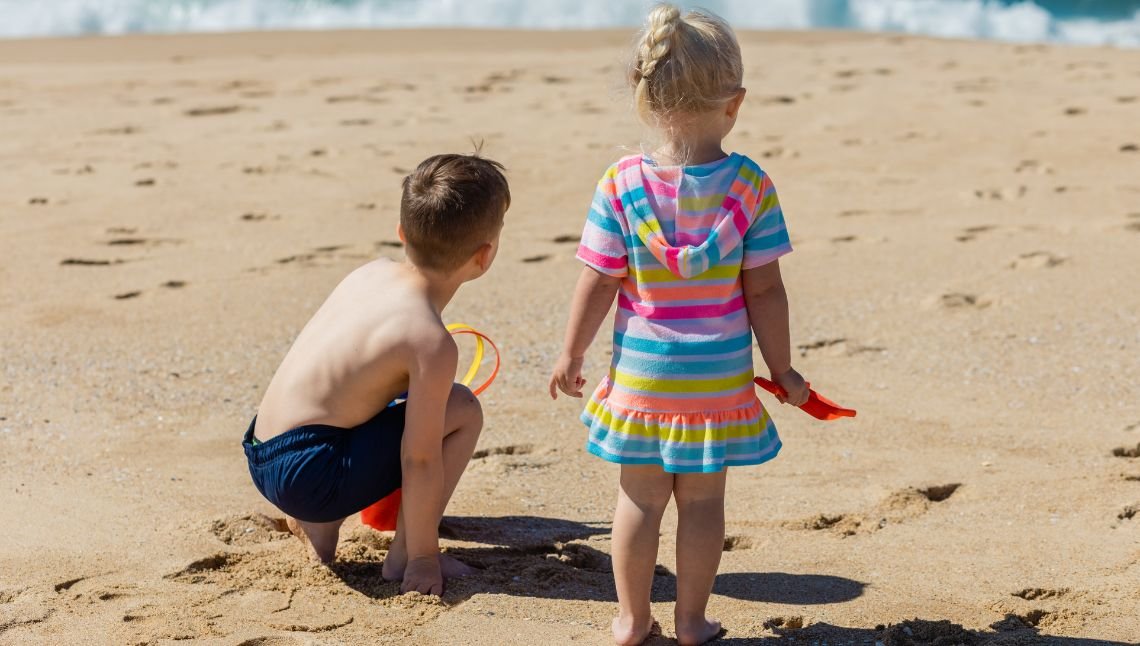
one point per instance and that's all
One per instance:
(686, 238)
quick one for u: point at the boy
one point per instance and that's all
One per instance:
(326, 442)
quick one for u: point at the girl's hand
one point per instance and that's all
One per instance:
(794, 385)
(567, 377)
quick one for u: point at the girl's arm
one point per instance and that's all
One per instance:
(593, 297)
(767, 304)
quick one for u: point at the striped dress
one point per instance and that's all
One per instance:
(679, 391)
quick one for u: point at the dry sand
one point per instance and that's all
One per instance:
(967, 224)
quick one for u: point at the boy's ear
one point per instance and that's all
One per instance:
(484, 255)
(734, 103)
(400, 233)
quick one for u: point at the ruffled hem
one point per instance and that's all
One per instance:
(681, 442)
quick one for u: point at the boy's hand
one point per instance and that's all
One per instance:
(423, 575)
(567, 377)
(794, 385)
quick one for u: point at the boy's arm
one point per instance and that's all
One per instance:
(421, 457)
(767, 304)
(593, 297)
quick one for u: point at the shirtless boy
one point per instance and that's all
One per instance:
(327, 440)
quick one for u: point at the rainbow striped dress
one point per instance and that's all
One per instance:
(679, 391)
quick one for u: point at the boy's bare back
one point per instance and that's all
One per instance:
(354, 356)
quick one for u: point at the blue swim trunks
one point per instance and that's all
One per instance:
(318, 473)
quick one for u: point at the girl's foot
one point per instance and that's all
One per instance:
(699, 632)
(628, 633)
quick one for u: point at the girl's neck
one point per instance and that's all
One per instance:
(690, 142)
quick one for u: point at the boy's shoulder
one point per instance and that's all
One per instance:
(402, 302)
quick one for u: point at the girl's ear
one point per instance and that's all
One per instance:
(733, 107)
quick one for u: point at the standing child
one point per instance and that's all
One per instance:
(687, 238)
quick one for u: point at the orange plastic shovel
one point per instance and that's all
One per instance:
(817, 405)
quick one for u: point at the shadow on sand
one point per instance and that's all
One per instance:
(548, 558)
(1011, 631)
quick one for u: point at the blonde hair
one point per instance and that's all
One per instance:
(684, 64)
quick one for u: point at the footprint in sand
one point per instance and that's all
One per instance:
(733, 543)
(961, 300)
(1001, 194)
(37, 201)
(971, 233)
(390, 244)
(90, 262)
(1037, 260)
(496, 81)
(148, 242)
(127, 295)
(1038, 594)
(210, 111)
(1130, 148)
(356, 122)
(836, 348)
(792, 623)
(120, 130)
(174, 284)
(539, 258)
(1127, 452)
(1033, 166)
(1075, 111)
(898, 507)
(566, 239)
(148, 181)
(511, 449)
(249, 529)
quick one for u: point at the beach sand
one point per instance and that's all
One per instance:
(966, 218)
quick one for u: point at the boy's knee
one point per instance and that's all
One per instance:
(464, 403)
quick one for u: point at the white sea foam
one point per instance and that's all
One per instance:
(1019, 21)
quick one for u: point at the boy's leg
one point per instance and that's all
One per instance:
(642, 497)
(463, 423)
(321, 538)
(700, 541)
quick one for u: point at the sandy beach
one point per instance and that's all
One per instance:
(966, 218)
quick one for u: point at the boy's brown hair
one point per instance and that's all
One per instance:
(451, 205)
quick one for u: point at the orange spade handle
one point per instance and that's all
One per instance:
(817, 405)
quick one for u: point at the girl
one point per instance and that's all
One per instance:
(687, 238)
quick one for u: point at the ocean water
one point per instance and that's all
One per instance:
(1081, 22)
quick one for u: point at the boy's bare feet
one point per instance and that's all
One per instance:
(320, 538)
(449, 566)
(697, 632)
(628, 633)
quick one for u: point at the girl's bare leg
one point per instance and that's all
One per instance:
(700, 540)
(464, 422)
(642, 497)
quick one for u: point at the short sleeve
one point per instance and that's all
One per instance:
(603, 240)
(767, 236)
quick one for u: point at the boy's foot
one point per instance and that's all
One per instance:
(449, 566)
(697, 633)
(319, 538)
(626, 633)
